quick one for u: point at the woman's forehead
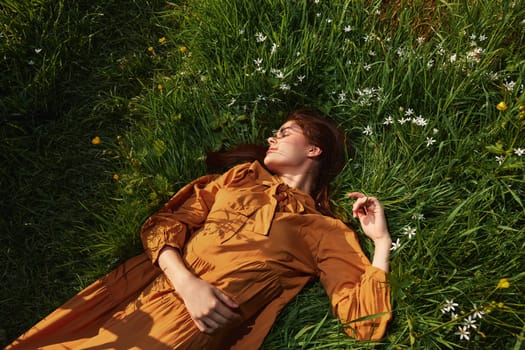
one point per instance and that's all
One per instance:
(290, 124)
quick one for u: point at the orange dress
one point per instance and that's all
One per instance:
(251, 236)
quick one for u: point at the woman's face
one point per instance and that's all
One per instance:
(288, 148)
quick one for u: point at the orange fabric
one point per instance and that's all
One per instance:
(248, 234)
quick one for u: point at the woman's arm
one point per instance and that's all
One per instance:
(371, 215)
(209, 308)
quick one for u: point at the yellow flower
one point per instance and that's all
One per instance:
(503, 283)
(96, 140)
(160, 87)
(183, 49)
(150, 49)
(502, 106)
(116, 176)
(162, 40)
(501, 305)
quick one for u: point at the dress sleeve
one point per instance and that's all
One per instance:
(185, 212)
(359, 292)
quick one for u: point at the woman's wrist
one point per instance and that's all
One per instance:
(382, 253)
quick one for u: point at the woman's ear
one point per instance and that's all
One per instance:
(314, 151)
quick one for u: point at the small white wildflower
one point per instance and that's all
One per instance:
(482, 37)
(500, 159)
(463, 333)
(409, 112)
(367, 38)
(449, 306)
(274, 48)
(260, 98)
(430, 64)
(30, 62)
(435, 131)
(470, 322)
(519, 151)
(241, 31)
(420, 40)
(284, 87)
(418, 216)
(371, 53)
(367, 67)
(258, 61)
(472, 37)
(378, 12)
(318, 14)
(420, 121)
(279, 74)
(301, 78)
(260, 37)
(403, 120)
(454, 316)
(231, 102)
(368, 130)
(316, 1)
(409, 231)
(474, 55)
(329, 20)
(509, 85)
(388, 120)
(38, 51)
(478, 313)
(453, 58)
(347, 29)
(341, 97)
(395, 245)
(430, 141)
(298, 53)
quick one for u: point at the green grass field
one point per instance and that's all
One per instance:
(108, 107)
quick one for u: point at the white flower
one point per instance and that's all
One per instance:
(478, 313)
(473, 37)
(409, 112)
(453, 315)
(430, 141)
(241, 31)
(316, 1)
(341, 97)
(418, 216)
(409, 231)
(231, 102)
(435, 131)
(38, 50)
(449, 306)
(318, 14)
(482, 37)
(368, 130)
(347, 29)
(329, 20)
(301, 78)
(30, 62)
(403, 120)
(367, 67)
(368, 38)
(500, 159)
(274, 48)
(469, 322)
(509, 85)
(284, 87)
(420, 40)
(519, 151)
(371, 53)
(463, 333)
(258, 61)
(395, 245)
(420, 121)
(430, 64)
(388, 120)
(260, 37)
(453, 58)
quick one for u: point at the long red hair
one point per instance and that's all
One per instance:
(320, 131)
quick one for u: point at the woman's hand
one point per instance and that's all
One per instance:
(371, 215)
(209, 308)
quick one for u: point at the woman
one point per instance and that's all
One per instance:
(227, 253)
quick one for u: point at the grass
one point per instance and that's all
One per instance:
(418, 86)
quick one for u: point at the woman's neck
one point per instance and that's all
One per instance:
(301, 181)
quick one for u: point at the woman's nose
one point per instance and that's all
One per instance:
(271, 140)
